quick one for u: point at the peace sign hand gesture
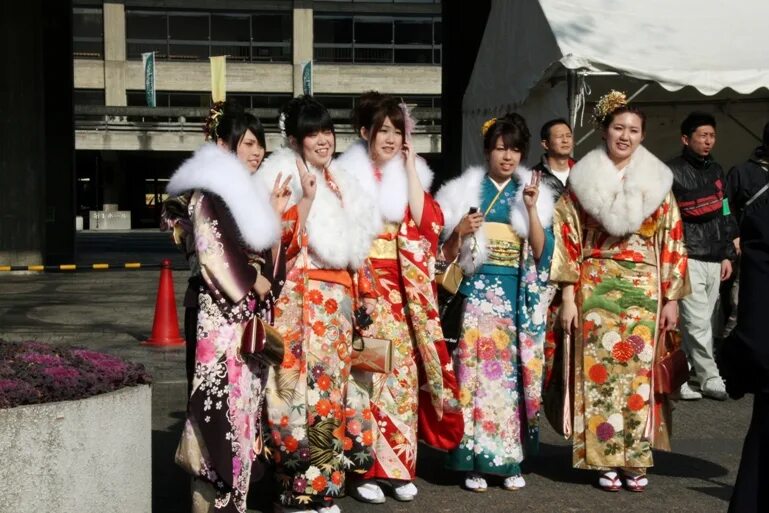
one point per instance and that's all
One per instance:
(281, 194)
(307, 179)
(531, 191)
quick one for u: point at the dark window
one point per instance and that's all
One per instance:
(88, 96)
(409, 32)
(333, 30)
(272, 28)
(87, 33)
(372, 31)
(146, 25)
(377, 39)
(180, 35)
(230, 27)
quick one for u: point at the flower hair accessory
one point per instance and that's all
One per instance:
(212, 121)
(607, 104)
(487, 125)
(282, 124)
(408, 119)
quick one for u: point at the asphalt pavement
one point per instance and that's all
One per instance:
(112, 311)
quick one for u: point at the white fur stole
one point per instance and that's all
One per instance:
(620, 205)
(391, 192)
(458, 195)
(340, 232)
(220, 172)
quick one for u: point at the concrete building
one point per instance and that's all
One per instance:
(126, 151)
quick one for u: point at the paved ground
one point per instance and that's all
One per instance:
(112, 311)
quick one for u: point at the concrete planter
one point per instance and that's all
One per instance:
(86, 456)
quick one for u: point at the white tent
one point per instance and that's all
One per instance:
(555, 58)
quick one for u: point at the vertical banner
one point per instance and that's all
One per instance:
(218, 78)
(148, 63)
(307, 77)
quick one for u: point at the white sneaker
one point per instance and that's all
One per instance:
(715, 389)
(513, 483)
(330, 509)
(405, 492)
(688, 394)
(369, 491)
(475, 483)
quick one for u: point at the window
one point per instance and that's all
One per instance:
(87, 33)
(189, 35)
(88, 96)
(377, 39)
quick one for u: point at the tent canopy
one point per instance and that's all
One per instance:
(702, 47)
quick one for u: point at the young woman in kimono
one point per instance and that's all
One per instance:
(319, 419)
(621, 261)
(235, 226)
(498, 222)
(401, 261)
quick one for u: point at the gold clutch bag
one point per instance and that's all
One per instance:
(372, 354)
(450, 278)
(262, 342)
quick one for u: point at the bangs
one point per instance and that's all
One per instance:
(314, 118)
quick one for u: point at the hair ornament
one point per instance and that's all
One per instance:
(487, 125)
(212, 121)
(282, 124)
(408, 119)
(607, 104)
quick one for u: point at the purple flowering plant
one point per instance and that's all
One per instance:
(32, 372)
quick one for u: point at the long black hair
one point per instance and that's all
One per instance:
(233, 124)
(303, 116)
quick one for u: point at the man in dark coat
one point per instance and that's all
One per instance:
(699, 189)
(744, 357)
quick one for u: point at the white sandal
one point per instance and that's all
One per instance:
(476, 483)
(514, 483)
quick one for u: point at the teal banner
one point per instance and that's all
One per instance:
(148, 60)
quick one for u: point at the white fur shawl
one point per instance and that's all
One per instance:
(340, 233)
(392, 192)
(620, 205)
(458, 195)
(220, 172)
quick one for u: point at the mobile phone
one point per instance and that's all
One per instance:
(473, 210)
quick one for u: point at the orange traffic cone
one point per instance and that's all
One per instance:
(165, 327)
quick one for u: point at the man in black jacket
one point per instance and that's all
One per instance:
(558, 142)
(742, 182)
(698, 186)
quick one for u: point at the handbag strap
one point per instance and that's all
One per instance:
(494, 201)
(757, 195)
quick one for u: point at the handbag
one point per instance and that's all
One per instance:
(558, 397)
(450, 277)
(371, 354)
(262, 342)
(671, 368)
(451, 309)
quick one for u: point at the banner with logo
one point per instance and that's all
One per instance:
(148, 63)
(307, 77)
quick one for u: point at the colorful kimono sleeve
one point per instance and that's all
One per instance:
(432, 222)
(567, 231)
(223, 264)
(674, 280)
(290, 232)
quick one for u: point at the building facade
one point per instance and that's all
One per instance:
(126, 151)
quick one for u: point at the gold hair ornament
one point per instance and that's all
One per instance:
(607, 104)
(487, 125)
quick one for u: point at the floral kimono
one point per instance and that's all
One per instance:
(619, 240)
(402, 261)
(499, 356)
(319, 418)
(234, 228)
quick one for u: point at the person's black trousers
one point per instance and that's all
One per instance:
(751, 491)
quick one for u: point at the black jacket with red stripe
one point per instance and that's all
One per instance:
(699, 187)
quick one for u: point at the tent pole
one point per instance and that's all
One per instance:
(571, 84)
(584, 137)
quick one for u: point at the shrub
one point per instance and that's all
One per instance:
(32, 372)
